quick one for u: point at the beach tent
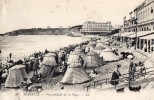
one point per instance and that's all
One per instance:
(78, 49)
(108, 55)
(75, 74)
(89, 47)
(16, 75)
(99, 41)
(103, 45)
(105, 40)
(99, 48)
(83, 47)
(92, 59)
(48, 65)
(106, 43)
(74, 57)
(92, 43)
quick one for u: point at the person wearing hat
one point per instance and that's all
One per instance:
(115, 76)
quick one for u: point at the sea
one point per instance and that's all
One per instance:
(23, 45)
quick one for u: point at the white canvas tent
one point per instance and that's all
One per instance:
(75, 74)
(78, 49)
(89, 47)
(48, 65)
(74, 57)
(16, 75)
(92, 59)
(108, 55)
(92, 43)
(99, 49)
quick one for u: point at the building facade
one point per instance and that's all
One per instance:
(139, 28)
(143, 19)
(145, 15)
(96, 28)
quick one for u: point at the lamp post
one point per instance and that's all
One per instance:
(136, 38)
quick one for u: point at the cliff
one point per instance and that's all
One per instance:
(48, 31)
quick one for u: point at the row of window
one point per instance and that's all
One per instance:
(96, 28)
(95, 25)
(145, 13)
(140, 29)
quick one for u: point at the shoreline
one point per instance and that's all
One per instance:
(37, 50)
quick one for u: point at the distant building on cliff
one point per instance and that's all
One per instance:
(92, 27)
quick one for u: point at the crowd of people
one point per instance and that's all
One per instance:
(34, 61)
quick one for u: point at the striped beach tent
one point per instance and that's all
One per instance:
(48, 65)
(108, 55)
(75, 74)
(16, 75)
(74, 57)
(92, 59)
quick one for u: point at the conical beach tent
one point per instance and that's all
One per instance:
(99, 41)
(92, 59)
(84, 47)
(108, 55)
(89, 48)
(48, 65)
(16, 75)
(106, 43)
(99, 47)
(74, 57)
(78, 49)
(92, 43)
(75, 74)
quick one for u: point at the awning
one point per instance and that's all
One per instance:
(141, 33)
(151, 36)
(126, 34)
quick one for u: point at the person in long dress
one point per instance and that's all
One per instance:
(115, 76)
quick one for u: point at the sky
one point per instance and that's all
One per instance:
(23, 14)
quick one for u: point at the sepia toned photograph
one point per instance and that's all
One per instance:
(77, 49)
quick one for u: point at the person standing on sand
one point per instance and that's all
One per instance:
(63, 58)
(36, 66)
(115, 76)
(10, 55)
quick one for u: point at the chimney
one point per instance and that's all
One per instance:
(130, 15)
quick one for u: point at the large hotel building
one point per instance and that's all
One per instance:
(91, 27)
